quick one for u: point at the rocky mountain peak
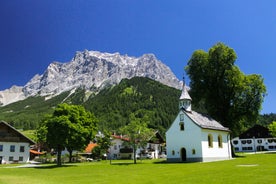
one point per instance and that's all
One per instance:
(93, 69)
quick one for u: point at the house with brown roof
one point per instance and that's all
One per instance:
(196, 137)
(14, 146)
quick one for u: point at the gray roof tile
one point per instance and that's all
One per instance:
(205, 121)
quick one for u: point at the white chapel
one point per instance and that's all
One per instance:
(195, 137)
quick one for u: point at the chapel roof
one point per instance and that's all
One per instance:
(205, 121)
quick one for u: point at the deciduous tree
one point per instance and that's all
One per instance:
(103, 143)
(137, 133)
(70, 126)
(219, 87)
(272, 128)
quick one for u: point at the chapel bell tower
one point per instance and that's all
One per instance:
(185, 99)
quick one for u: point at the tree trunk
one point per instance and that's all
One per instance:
(70, 155)
(59, 156)
(134, 153)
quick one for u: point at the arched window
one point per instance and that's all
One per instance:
(210, 140)
(220, 141)
(173, 152)
(181, 125)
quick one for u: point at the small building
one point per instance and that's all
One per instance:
(196, 137)
(14, 146)
(257, 138)
(119, 150)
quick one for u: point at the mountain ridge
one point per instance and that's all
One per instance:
(92, 70)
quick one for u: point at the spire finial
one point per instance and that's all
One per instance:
(184, 80)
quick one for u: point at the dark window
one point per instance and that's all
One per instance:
(1, 147)
(270, 140)
(10, 158)
(12, 148)
(220, 141)
(243, 141)
(22, 148)
(247, 148)
(259, 141)
(249, 141)
(181, 124)
(210, 141)
(20, 159)
(235, 142)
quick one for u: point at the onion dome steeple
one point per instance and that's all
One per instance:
(185, 99)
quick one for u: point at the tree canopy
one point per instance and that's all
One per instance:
(221, 89)
(103, 143)
(70, 126)
(137, 133)
(272, 128)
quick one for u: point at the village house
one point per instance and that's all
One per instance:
(257, 138)
(195, 137)
(14, 146)
(153, 149)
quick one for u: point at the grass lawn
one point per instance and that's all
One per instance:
(255, 168)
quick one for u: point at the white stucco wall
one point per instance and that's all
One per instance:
(114, 149)
(188, 139)
(254, 144)
(215, 152)
(5, 153)
(195, 140)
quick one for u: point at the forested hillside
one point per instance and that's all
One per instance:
(142, 96)
(146, 98)
(28, 113)
(112, 106)
(266, 119)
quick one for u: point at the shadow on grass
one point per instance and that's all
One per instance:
(121, 163)
(54, 166)
(167, 163)
(238, 156)
(271, 152)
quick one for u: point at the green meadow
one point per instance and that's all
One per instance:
(254, 168)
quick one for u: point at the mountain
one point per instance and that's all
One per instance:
(153, 101)
(92, 71)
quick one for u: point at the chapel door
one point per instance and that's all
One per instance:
(183, 154)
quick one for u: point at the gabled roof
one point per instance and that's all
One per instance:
(205, 121)
(156, 138)
(257, 131)
(10, 134)
(121, 137)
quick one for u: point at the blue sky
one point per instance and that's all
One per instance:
(35, 33)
